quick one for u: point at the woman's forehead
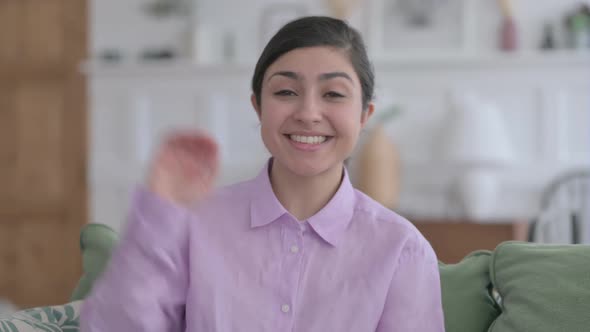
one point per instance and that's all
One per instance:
(313, 63)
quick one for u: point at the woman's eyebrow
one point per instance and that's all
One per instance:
(288, 74)
(322, 77)
(328, 76)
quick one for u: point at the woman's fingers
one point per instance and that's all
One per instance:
(185, 167)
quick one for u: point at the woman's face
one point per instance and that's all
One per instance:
(311, 109)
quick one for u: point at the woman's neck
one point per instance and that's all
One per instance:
(304, 196)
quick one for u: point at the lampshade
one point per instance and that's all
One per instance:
(475, 135)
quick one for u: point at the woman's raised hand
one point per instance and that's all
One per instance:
(185, 167)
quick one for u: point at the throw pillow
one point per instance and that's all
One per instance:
(543, 288)
(62, 318)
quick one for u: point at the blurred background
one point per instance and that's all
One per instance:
(481, 133)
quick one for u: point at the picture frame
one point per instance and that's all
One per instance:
(401, 29)
(275, 16)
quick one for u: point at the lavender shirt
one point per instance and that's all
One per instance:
(241, 262)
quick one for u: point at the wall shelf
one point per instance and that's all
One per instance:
(492, 59)
(443, 61)
(164, 67)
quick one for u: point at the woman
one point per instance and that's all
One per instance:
(295, 249)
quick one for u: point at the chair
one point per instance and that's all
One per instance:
(565, 210)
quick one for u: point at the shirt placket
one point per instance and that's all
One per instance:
(292, 251)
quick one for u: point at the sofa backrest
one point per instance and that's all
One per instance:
(96, 244)
(466, 294)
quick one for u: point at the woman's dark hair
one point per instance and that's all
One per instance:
(317, 31)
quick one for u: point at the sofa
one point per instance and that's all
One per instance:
(516, 287)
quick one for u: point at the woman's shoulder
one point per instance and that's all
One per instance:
(374, 212)
(229, 195)
(386, 224)
(225, 205)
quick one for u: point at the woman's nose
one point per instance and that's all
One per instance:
(309, 111)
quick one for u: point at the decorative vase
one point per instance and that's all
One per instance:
(378, 168)
(508, 35)
(341, 8)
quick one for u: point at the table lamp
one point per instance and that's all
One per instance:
(478, 144)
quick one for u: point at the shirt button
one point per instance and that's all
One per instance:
(285, 308)
(294, 249)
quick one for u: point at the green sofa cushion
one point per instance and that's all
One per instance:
(96, 243)
(467, 303)
(542, 287)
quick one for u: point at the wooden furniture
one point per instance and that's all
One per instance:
(454, 239)
(42, 148)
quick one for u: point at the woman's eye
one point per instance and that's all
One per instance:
(285, 93)
(333, 94)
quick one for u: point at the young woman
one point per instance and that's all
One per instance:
(295, 249)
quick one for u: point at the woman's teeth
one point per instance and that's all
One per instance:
(308, 139)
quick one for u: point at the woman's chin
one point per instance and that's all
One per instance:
(309, 169)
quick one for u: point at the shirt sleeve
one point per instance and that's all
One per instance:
(144, 285)
(414, 298)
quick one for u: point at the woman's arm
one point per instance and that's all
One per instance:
(414, 299)
(144, 286)
(145, 283)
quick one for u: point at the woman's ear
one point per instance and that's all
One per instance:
(255, 105)
(366, 114)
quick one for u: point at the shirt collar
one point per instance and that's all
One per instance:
(329, 223)
(332, 220)
(265, 206)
